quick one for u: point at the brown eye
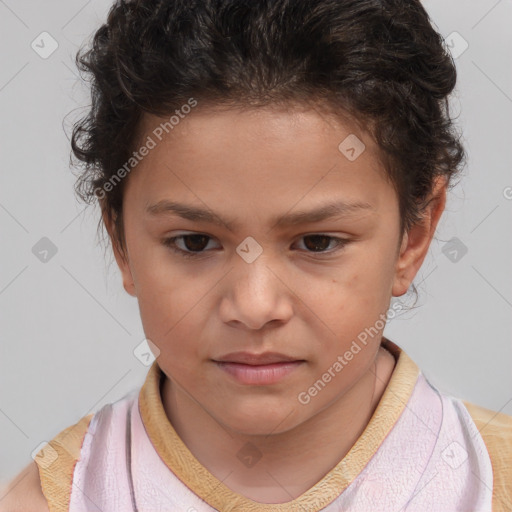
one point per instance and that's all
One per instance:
(195, 242)
(192, 245)
(319, 243)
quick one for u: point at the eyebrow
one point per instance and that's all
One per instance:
(194, 213)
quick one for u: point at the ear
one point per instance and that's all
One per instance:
(121, 259)
(417, 240)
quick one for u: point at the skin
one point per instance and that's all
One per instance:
(250, 166)
(24, 493)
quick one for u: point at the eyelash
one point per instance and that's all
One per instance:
(170, 244)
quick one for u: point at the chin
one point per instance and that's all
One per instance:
(261, 421)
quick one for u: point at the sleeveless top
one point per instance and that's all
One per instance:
(421, 451)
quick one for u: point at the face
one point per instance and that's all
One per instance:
(235, 279)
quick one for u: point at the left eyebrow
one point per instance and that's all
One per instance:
(198, 214)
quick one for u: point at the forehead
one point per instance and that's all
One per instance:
(262, 158)
(263, 123)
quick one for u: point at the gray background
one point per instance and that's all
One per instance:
(68, 328)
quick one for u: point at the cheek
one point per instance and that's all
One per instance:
(372, 274)
(362, 282)
(355, 299)
(174, 309)
(172, 325)
(168, 304)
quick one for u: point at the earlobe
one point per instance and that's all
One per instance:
(416, 241)
(400, 282)
(121, 259)
(126, 273)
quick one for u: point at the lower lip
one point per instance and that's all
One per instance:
(259, 375)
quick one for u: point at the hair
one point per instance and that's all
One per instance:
(378, 62)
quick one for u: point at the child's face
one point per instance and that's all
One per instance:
(249, 168)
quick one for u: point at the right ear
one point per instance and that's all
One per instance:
(122, 262)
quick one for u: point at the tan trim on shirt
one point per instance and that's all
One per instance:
(204, 484)
(56, 462)
(496, 431)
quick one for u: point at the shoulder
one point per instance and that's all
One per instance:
(24, 493)
(44, 484)
(495, 427)
(56, 463)
(496, 431)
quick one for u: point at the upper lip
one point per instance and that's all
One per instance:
(255, 359)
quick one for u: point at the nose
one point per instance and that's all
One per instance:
(255, 294)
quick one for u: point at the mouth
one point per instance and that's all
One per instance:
(266, 358)
(258, 369)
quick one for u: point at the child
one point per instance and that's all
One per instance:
(309, 146)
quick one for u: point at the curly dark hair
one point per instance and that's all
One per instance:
(379, 62)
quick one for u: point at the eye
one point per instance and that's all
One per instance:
(316, 243)
(195, 244)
